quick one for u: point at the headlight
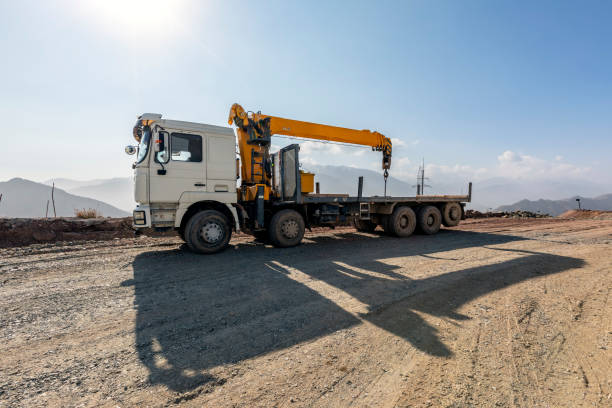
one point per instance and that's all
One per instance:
(140, 218)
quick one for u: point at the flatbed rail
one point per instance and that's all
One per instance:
(343, 198)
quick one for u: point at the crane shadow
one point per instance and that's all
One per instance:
(199, 312)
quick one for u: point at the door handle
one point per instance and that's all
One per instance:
(200, 185)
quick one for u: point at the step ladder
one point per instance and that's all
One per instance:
(254, 162)
(364, 211)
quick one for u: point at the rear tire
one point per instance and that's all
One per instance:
(207, 232)
(402, 222)
(429, 219)
(286, 228)
(364, 225)
(451, 214)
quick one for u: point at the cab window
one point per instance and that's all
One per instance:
(186, 147)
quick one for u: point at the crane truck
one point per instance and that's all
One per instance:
(185, 178)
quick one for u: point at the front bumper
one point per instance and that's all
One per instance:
(141, 217)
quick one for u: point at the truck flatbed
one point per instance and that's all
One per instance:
(343, 198)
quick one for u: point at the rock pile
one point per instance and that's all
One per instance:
(504, 214)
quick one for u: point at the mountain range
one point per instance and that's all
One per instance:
(118, 192)
(557, 207)
(545, 196)
(27, 199)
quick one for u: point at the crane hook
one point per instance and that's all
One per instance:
(386, 175)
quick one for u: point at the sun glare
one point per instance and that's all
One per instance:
(140, 21)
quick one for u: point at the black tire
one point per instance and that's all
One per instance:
(451, 214)
(429, 219)
(207, 232)
(402, 222)
(286, 228)
(364, 225)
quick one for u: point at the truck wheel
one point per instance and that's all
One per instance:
(207, 232)
(402, 222)
(286, 228)
(451, 214)
(429, 219)
(364, 225)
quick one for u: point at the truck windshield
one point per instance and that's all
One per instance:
(143, 146)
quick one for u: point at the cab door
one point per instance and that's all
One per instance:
(178, 165)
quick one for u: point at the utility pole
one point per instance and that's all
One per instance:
(421, 179)
(53, 200)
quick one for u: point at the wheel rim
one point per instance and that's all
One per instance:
(211, 233)
(404, 222)
(290, 229)
(430, 220)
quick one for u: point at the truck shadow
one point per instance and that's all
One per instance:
(195, 312)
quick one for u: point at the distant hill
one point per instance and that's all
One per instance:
(487, 194)
(118, 192)
(26, 199)
(493, 192)
(557, 207)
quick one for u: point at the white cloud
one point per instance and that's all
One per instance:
(510, 165)
(518, 166)
(508, 156)
(401, 162)
(309, 161)
(397, 142)
(315, 147)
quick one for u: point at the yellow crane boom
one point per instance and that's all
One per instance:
(255, 129)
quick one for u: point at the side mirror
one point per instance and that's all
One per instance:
(161, 147)
(160, 144)
(130, 150)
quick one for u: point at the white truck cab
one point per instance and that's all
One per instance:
(182, 167)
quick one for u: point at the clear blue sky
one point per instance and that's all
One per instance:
(481, 88)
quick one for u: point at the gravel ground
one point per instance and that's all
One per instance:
(497, 312)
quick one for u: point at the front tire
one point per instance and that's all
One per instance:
(286, 228)
(208, 232)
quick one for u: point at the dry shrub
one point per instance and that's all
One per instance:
(87, 213)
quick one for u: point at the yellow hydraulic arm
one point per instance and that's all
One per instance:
(255, 130)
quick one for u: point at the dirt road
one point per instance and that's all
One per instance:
(498, 312)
